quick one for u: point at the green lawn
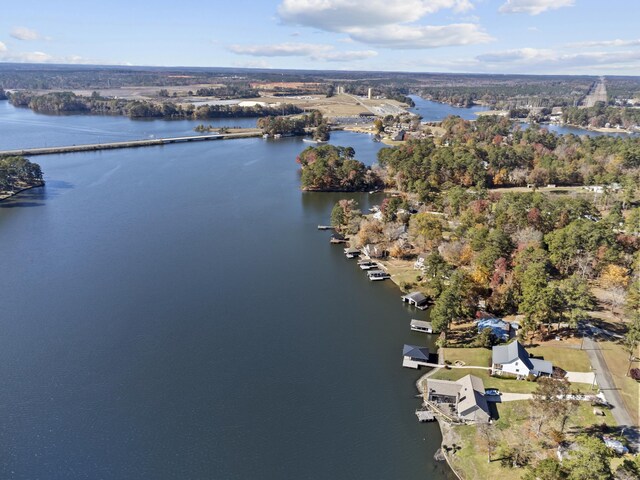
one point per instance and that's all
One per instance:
(569, 359)
(479, 357)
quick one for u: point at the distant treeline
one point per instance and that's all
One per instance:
(599, 115)
(68, 102)
(3, 94)
(17, 173)
(516, 95)
(229, 91)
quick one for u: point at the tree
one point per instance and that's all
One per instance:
(457, 302)
(547, 469)
(378, 125)
(576, 300)
(426, 230)
(321, 133)
(550, 401)
(590, 461)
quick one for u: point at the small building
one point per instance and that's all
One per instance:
(374, 251)
(399, 136)
(414, 356)
(351, 252)
(513, 359)
(498, 327)
(465, 396)
(421, 326)
(417, 299)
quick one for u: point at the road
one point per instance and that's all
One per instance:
(130, 143)
(605, 382)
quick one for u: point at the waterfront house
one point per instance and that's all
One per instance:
(374, 251)
(421, 326)
(465, 398)
(417, 299)
(513, 359)
(413, 356)
(498, 327)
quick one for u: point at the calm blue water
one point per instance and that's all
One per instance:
(173, 313)
(434, 111)
(22, 128)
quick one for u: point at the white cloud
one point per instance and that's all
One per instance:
(312, 50)
(410, 36)
(607, 43)
(534, 7)
(385, 23)
(24, 33)
(3, 47)
(338, 15)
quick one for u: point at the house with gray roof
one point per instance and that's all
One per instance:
(465, 397)
(513, 359)
(417, 299)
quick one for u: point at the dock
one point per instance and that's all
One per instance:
(325, 227)
(128, 144)
(425, 415)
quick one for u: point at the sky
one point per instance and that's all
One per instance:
(594, 37)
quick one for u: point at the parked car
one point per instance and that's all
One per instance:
(492, 392)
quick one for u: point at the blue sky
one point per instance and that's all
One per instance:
(500, 36)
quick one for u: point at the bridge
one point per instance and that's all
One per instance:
(129, 144)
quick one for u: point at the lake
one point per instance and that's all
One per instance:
(173, 313)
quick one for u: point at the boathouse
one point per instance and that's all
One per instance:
(414, 356)
(421, 326)
(417, 299)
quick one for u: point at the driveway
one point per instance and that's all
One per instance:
(581, 377)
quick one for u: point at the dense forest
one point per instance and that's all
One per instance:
(68, 102)
(529, 253)
(18, 173)
(491, 153)
(600, 115)
(333, 169)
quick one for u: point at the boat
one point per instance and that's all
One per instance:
(375, 275)
(277, 135)
(368, 265)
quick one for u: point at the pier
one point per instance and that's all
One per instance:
(249, 133)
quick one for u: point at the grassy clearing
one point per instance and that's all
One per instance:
(618, 362)
(570, 359)
(471, 460)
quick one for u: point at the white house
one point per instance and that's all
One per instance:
(515, 360)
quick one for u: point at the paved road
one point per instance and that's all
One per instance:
(605, 382)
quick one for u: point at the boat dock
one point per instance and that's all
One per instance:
(128, 144)
(425, 415)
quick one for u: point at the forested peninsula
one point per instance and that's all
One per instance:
(69, 102)
(17, 174)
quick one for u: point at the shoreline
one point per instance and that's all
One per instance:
(5, 196)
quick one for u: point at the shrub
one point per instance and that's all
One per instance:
(635, 374)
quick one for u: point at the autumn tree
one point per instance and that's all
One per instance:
(425, 230)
